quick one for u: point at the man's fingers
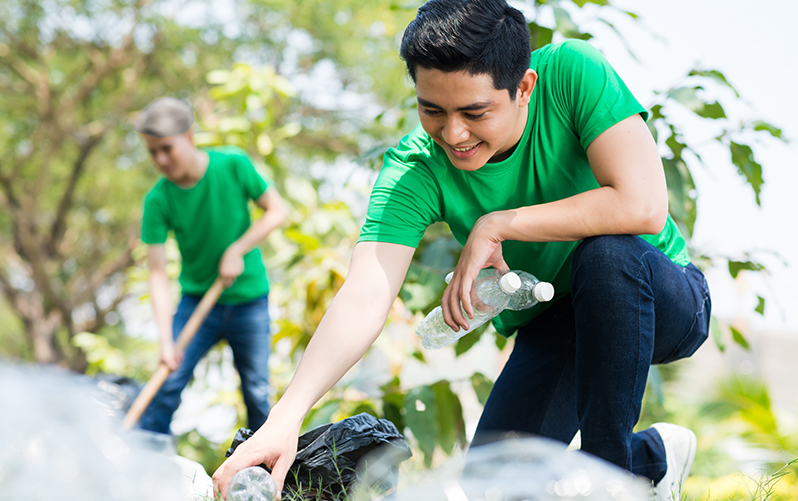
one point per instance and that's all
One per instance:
(279, 471)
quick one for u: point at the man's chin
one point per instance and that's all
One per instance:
(467, 164)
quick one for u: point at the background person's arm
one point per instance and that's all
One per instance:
(632, 200)
(275, 214)
(162, 305)
(353, 321)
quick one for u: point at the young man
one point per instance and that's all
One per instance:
(542, 163)
(203, 198)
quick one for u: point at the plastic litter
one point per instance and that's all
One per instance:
(59, 440)
(328, 455)
(489, 296)
(252, 484)
(516, 469)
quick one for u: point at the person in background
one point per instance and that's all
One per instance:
(537, 161)
(203, 198)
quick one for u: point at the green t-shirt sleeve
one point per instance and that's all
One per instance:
(154, 220)
(594, 95)
(405, 200)
(253, 183)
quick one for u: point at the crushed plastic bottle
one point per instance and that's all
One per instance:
(528, 468)
(252, 484)
(531, 292)
(489, 296)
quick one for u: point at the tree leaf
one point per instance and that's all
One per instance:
(421, 416)
(450, 417)
(581, 3)
(539, 35)
(739, 338)
(715, 75)
(717, 334)
(760, 308)
(656, 385)
(735, 267)
(499, 340)
(482, 386)
(466, 342)
(743, 157)
(774, 131)
(712, 110)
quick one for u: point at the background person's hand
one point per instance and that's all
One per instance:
(170, 356)
(231, 266)
(274, 445)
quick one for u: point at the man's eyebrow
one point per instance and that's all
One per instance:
(471, 107)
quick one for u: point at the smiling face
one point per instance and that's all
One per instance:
(173, 155)
(469, 118)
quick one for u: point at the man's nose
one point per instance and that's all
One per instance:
(455, 131)
(161, 158)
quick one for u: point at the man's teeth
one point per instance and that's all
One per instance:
(465, 149)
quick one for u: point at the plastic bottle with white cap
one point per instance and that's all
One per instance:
(489, 296)
(531, 292)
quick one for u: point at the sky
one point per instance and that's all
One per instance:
(752, 44)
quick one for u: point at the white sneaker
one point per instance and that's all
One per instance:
(680, 445)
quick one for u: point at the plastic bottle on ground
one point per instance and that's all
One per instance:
(489, 296)
(252, 484)
(531, 292)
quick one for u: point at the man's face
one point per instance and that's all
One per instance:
(474, 122)
(172, 155)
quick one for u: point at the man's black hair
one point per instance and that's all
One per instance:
(477, 36)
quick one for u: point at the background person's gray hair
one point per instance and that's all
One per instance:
(165, 117)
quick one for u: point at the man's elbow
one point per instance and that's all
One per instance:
(653, 218)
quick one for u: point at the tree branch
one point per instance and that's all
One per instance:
(59, 225)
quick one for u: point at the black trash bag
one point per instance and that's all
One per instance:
(328, 455)
(120, 390)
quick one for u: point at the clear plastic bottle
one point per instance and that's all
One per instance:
(489, 296)
(531, 292)
(252, 484)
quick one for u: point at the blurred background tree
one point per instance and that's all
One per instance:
(315, 92)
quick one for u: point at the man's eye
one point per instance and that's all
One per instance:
(474, 117)
(431, 112)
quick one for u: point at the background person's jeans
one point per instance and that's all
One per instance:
(246, 329)
(583, 363)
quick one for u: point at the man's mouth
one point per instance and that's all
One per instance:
(465, 151)
(467, 148)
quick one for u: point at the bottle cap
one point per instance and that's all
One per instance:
(544, 291)
(510, 282)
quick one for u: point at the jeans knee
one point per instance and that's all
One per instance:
(606, 249)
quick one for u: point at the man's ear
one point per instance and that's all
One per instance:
(524, 93)
(189, 135)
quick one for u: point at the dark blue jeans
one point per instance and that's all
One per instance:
(246, 329)
(583, 363)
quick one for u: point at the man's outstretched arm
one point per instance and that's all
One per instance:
(353, 321)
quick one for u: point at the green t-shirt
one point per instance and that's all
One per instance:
(578, 95)
(206, 219)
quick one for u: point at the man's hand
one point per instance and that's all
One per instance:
(273, 444)
(170, 357)
(482, 250)
(231, 265)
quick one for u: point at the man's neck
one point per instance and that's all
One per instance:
(196, 169)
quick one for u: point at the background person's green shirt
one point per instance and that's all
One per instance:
(206, 219)
(578, 96)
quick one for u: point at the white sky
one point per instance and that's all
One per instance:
(753, 45)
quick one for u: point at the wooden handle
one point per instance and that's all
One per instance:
(186, 335)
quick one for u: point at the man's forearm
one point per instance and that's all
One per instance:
(161, 305)
(258, 231)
